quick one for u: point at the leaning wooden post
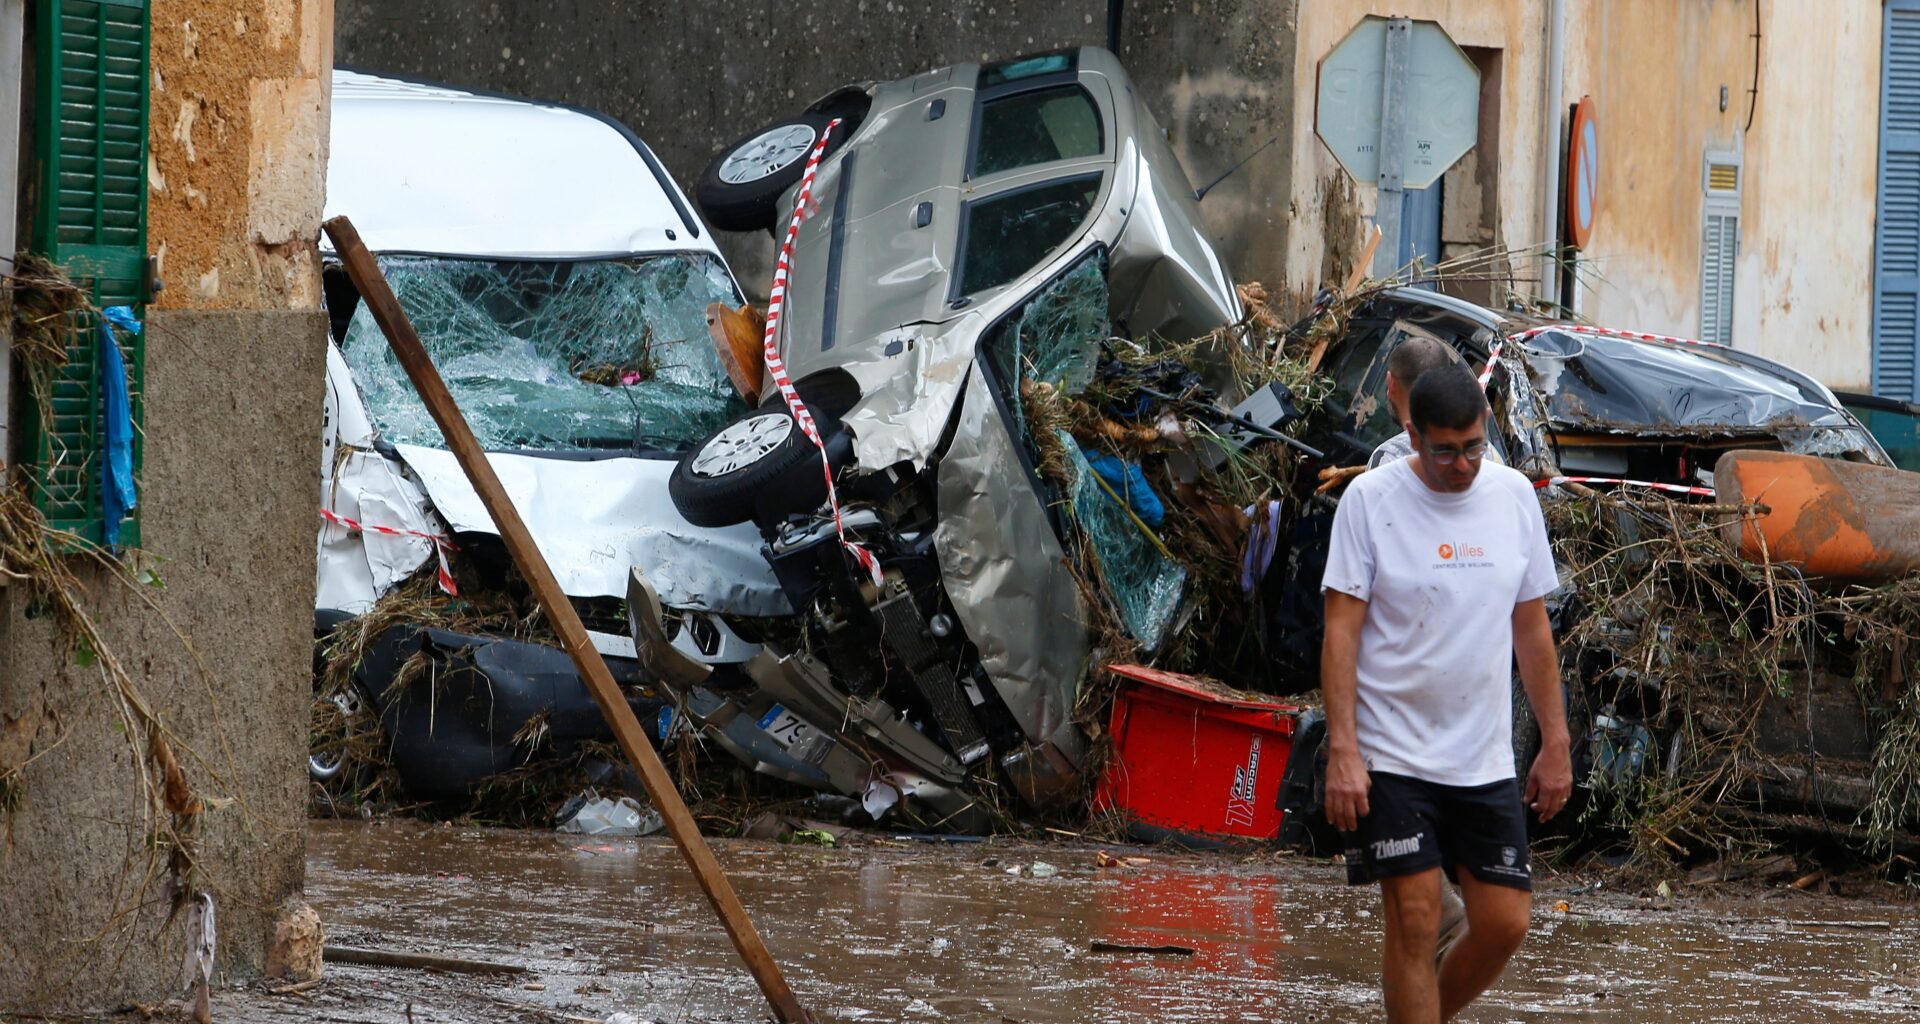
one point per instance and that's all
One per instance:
(366, 276)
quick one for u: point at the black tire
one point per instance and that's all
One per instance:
(753, 205)
(781, 478)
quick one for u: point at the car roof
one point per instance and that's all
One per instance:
(1473, 311)
(428, 168)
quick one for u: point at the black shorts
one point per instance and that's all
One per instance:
(1413, 825)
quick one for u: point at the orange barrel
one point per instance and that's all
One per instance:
(1840, 520)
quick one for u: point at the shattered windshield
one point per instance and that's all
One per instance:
(554, 355)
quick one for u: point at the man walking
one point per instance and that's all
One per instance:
(1434, 584)
(1409, 360)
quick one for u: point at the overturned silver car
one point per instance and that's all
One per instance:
(980, 229)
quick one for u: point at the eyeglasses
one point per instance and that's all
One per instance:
(1445, 456)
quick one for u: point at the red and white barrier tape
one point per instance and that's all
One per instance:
(1704, 492)
(441, 543)
(1609, 332)
(777, 368)
(1493, 359)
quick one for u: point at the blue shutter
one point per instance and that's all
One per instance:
(1896, 250)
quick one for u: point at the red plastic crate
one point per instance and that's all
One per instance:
(1192, 760)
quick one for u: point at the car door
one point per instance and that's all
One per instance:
(1039, 168)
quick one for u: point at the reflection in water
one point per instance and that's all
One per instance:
(909, 932)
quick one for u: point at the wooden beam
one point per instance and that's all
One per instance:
(372, 285)
(422, 961)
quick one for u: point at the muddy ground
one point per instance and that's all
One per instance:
(898, 930)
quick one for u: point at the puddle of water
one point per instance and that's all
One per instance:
(880, 932)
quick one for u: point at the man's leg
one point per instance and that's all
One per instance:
(1497, 917)
(1412, 904)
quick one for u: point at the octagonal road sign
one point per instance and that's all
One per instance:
(1442, 109)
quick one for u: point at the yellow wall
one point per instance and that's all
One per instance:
(1803, 276)
(1804, 285)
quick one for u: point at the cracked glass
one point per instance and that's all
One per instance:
(1057, 340)
(554, 355)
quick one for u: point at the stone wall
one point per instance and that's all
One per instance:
(220, 645)
(689, 78)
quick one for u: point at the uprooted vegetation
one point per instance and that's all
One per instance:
(1724, 703)
(1718, 706)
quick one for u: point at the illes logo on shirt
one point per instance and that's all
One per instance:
(1455, 556)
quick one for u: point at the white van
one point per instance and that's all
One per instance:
(560, 281)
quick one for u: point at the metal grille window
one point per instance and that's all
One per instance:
(88, 214)
(1719, 247)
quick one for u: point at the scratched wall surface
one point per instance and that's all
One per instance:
(239, 138)
(219, 643)
(691, 78)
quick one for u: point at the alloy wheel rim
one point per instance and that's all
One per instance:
(742, 444)
(767, 154)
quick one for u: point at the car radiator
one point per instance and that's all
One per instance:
(906, 633)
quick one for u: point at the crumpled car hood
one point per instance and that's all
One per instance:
(594, 520)
(1652, 388)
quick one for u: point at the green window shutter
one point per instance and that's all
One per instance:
(88, 213)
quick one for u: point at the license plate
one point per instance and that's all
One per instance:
(786, 728)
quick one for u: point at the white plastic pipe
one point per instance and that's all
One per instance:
(1550, 149)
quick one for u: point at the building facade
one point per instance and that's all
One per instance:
(1738, 140)
(173, 158)
(1737, 166)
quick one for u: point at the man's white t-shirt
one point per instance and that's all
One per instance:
(1441, 574)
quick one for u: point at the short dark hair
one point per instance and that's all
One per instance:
(1448, 398)
(1414, 356)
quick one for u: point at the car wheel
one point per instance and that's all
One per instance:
(753, 468)
(740, 190)
(342, 718)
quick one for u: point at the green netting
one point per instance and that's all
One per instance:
(554, 355)
(1143, 582)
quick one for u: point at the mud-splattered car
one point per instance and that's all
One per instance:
(1566, 400)
(980, 229)
(1574, 400)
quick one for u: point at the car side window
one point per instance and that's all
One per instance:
(1037, 127)
(1007, 235)
(1373, 420)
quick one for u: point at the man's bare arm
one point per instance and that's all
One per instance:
(1550, 781)
(1347, 781)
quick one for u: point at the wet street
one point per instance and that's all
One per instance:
(889, 930)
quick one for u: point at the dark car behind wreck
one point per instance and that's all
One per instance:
(1566, 400)
(1698, 686)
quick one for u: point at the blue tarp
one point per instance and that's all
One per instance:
(118, 493)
